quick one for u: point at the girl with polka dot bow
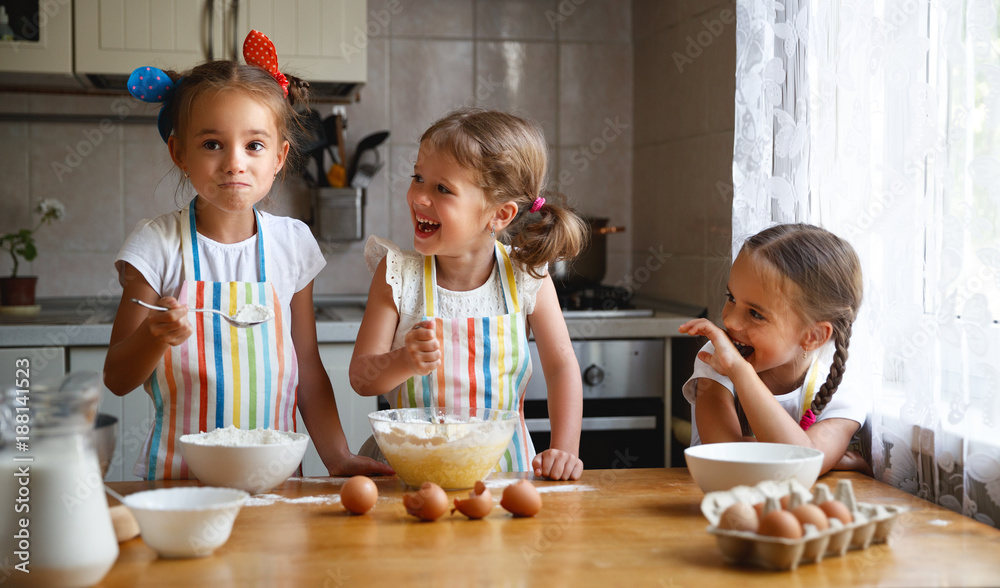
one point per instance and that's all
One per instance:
(228, 128)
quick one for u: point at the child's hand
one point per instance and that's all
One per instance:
(354, 465)
(171, 327)
(726, 357)
(557, 465)
(423, 352)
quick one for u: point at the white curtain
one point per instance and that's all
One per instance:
(880, 120)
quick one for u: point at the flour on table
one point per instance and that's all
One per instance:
(269, 499)
(503, 483)
(566, 488)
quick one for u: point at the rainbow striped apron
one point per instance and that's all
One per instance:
(221, 375)
(485, 363)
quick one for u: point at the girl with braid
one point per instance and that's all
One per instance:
(772, 372)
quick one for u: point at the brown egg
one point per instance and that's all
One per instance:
(359, 494)
(836, 509)
(427, 503)
(784, 501)
(478, 505)
(780, 523)
(810, 514)
(521, 499)
(740, 517)
(759, 509)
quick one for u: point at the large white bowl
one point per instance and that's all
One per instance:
(254, 468)
(452, 447)
(186, 522)
(721, 466)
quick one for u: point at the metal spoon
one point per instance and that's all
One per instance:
(233, 320)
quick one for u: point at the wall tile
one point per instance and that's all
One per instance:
(381, 13)
(651, 16)
(716, 276)
(517, 19)
(74, 104)
(595, 87)
(345, 271)
(86, 178)
(152, 184)
(520, 78)
(433, 19)
(14, 103)
(681, 279)
(371, 113)
(75, 273)
(400, 226)
(595, 21)
(599, 186)
(14, 194)
(677, 74)
(427, 80)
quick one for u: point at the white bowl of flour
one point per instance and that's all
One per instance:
(254, 460)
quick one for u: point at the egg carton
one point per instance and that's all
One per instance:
(872, 525)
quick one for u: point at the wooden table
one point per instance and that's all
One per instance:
(611, 528)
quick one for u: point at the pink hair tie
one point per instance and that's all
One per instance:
(537, 204)
(808, 420)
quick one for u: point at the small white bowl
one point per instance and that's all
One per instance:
(186, 522)
(721, 466)
(254, 468)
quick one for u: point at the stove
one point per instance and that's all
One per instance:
(599, 301)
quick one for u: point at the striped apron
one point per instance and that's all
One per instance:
(221, 375)
(485, 363)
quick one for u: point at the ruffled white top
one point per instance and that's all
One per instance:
(404, 272)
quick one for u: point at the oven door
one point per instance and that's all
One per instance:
(623, 410)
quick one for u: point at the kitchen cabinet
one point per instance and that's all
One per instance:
(45, 39)
(134, 412)
(44, 364)
(321, 40)
(352, 407)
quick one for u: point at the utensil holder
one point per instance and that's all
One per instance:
(338, 214)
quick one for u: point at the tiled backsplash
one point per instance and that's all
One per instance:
(566, 64)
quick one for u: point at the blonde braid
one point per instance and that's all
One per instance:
(826, 391)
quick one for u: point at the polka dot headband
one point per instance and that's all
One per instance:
(151, 84)
(259, 50)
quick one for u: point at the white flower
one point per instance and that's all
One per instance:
(50, 209)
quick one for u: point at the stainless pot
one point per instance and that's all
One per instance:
(588, 269)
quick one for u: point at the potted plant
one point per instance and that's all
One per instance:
(20, 290)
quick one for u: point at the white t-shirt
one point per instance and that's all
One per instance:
(404, 272)
(848, 402)
(292, 256)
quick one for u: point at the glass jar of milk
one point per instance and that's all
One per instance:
(55, 525)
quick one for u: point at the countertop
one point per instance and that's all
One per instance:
(67, 322)
(610, 528)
